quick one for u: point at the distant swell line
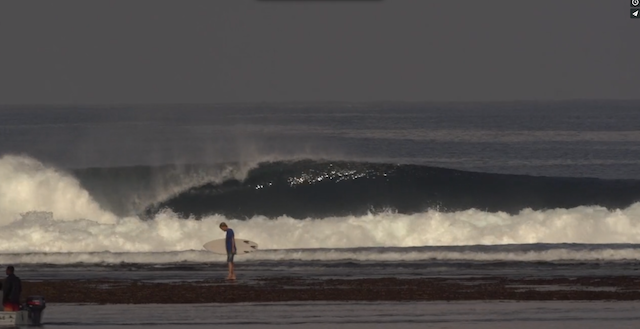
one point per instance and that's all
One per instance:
(320, 189)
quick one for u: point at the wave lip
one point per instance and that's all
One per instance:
(320, 189)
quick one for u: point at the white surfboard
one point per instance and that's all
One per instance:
(242, 246)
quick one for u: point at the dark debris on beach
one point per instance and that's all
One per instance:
(296, 289)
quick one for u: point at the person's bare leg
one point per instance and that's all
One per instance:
(232, 274)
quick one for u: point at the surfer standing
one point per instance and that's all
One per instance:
(11, 291)
(231, 249)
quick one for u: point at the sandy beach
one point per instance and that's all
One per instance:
(295, 289)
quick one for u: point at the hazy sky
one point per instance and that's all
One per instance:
(248, 50)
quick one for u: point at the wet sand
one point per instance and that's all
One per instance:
(296, 289)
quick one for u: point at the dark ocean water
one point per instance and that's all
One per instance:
(581, 138)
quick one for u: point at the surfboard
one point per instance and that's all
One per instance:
(242, 246)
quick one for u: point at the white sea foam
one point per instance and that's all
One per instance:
(44, 232)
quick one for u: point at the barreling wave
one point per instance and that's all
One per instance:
(295, 189)
(48, 211)
(320, 189)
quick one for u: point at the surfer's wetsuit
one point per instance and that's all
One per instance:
(11, 291)
(229, 245)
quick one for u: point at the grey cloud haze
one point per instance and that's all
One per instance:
(106, 52)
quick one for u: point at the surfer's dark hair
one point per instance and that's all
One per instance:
(10, 268)
(223, 224)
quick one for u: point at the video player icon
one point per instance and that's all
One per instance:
(635, 3)
(635, 13)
